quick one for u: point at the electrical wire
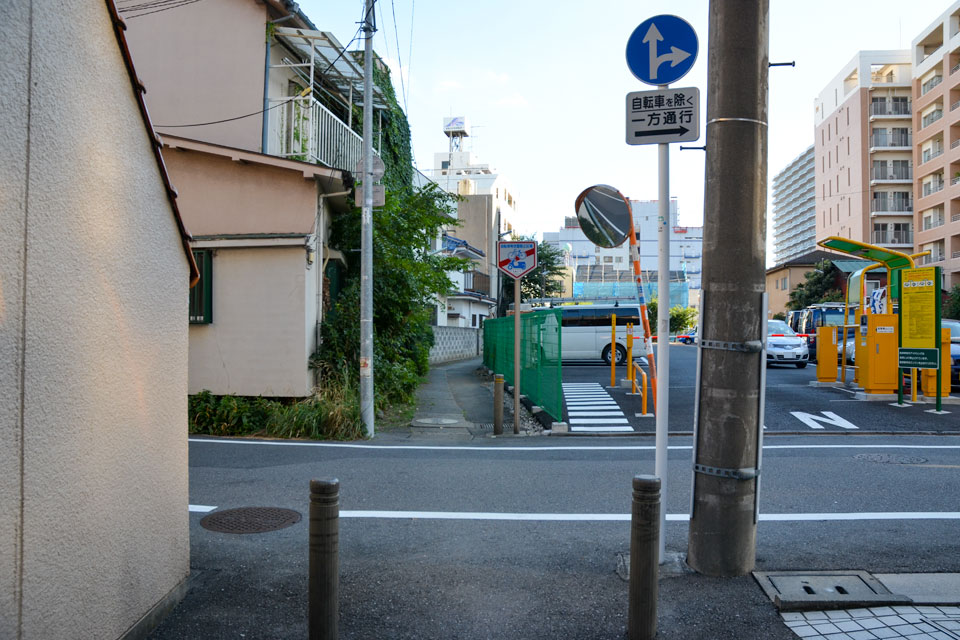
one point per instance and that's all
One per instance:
(165, 4)
(261, 111)
(403, 89)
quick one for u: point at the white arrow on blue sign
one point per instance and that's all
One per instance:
(662, 49)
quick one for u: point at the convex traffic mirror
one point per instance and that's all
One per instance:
(604, 215)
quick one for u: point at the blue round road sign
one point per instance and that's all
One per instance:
(662, 49)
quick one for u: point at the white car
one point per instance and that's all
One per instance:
(784, 346)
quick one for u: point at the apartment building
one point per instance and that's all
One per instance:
(794, 208)
(864, 154)
(935, 55)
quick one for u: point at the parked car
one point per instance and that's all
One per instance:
(793, 319)
(815, 316)
(586, 330)
(851, 346)
(690, 337)
(784, 346)
(954, 326)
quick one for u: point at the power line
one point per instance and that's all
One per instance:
(165, 4)
(261, 111)
(403, 89)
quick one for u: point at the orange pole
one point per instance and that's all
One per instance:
(647, 336)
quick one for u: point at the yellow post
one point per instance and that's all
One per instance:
(613, 350)
(643, 377)
(630, 374)
(826, 354)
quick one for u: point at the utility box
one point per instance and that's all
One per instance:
(877, 347)
(928, 377)
(827, 354)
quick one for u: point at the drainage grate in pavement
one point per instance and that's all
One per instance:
(889, 458)
(806, 590)
(250, 520)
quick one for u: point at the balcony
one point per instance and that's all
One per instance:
(311, 133)
(930, 84)
(931, 117)
(476, 282)
(891, 174)
(932, 187)
(890, 109)
(893, 237)
(933, 222)
(889, 141)
(896, 206)
(931, 153)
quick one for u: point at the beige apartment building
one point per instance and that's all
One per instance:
(864, 152)
(936, 150)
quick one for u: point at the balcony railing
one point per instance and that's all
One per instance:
(887, 140)
(954, 68)
(930, 84)
(895, 237)
(954, 180)
(955, 254)
(931, 153)
(932, 187)
(931, 117)
(955, 105)
(310, 132)
(891, 173)
(955, 217)
(891, 204)
(890, 108)
(933, 223)
(955, 144)
(476, 282)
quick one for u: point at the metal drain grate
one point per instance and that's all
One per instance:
(250, 520)
(889, 458)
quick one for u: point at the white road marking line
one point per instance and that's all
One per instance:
(420, 447)
(199, 508)
(593, 405)
(813, 421)
(596, 414)
(624, 517)
(626, 429)
(599, 421)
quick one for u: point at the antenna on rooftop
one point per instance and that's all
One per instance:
(456, 128)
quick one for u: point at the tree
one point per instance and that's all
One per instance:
(819, 285)
(545, 281)
(680, 317)
(951, 308)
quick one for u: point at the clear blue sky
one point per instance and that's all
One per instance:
(544, 84)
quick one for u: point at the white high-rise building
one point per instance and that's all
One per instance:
(795, 208)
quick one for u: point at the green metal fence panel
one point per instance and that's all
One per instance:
(540, 356)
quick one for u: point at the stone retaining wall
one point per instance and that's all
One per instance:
(455, 343)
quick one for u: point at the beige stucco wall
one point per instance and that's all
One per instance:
(94, 523)
(256, 343)
(220, 196)
(204, 62)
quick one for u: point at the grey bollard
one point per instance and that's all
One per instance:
(324, 579)
(498, 404)
(644, 558)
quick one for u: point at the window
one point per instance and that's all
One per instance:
(783, 283)
(201, 296)
(473, 320)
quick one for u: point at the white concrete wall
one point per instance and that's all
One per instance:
(93, 340)
(256, 344)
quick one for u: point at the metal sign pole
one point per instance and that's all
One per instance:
(663, 331)
(516, 356)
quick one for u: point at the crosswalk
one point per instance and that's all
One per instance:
(590, 409)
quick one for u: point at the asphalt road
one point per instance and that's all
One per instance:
(792, 405)
(513, 538)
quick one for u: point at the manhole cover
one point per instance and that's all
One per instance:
(820, 590)
(889, 458)
(250, 520)
(439, 421)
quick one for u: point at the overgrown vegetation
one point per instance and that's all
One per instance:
(680, 317)
(333, 413)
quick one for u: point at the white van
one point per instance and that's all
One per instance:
(586, 331)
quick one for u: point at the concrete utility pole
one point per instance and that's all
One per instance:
(723, 523)
(366, 233)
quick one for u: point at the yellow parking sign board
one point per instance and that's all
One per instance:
(918, 308)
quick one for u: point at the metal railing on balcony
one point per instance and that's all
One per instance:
(310, 132)
(954, 68)
(890, 108)
(932, 187)
(930, 84)
(955, 105)
(894, 237)
(891, 173)
(931, 153)
(955, 254)
(954, 180)
(896, 205)
(933, 222)
(890, 140)
(955, 144)
(931, 117)
(955, 217)
(477, 282)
